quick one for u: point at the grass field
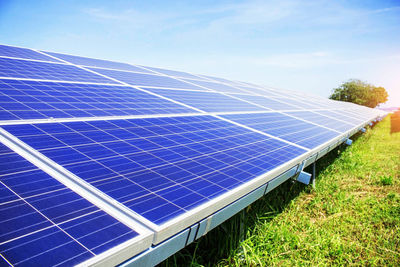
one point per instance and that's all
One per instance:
(351, 218)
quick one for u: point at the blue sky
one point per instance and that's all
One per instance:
(310, 46)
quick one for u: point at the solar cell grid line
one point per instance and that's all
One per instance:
(207, 101)
(45, 223)
(206, 155)
(23, 53)
(36, 100)
(334, 123)
(98, 63)
(285, 127)
(18, 68)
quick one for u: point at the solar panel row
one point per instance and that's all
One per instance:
(164, 148)
(24, 99)
(143, 162)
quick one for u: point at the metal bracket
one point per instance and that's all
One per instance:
(304, 177)
(349, 142)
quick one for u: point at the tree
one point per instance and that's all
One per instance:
(360, 92)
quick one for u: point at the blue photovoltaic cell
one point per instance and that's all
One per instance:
(159, 167)
(91, 62)
(219, 87)
(43, 223)
(207, 101)
(322, 120)
(268, 102)
(17, 68)
(285, 127)
(11, 51)
(175, 73)
(142, 79)
(21, 99)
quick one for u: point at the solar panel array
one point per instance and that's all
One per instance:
(99, 156)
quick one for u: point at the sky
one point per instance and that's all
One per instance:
(310, 46)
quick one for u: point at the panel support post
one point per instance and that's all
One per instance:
(314, 173)
(241, 225)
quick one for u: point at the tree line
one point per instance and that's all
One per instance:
(359, 92)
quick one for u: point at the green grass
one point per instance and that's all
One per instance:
(351, 218)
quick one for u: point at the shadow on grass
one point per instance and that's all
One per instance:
(225, 239)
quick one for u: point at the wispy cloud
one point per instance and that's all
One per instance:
(288, 36)
(252, 15)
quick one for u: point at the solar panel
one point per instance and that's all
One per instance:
(285, 127)
(17, 52)
(154, 152)
(349, 117)
(22, 99)
(17, 68)
(159, 167)
(330, 122)
(42, 222)
(207, 101)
